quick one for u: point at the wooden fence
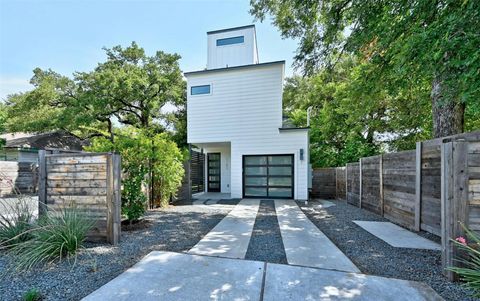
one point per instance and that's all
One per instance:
(323, 183)
(89, 181)
(17, 175)
(432, 188)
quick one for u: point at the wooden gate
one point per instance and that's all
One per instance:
(89, 181)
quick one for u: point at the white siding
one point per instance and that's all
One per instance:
(235, 54)
(245, 109)
(225, 166)
(243, 102)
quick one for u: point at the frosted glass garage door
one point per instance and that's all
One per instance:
(268, 176)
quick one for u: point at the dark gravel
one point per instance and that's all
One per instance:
(175, 229)
(374, 256)
(266, 243)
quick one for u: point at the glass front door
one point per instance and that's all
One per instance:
(214, 164)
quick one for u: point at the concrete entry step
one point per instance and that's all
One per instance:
(397, 236)
(178, 276)
(305, 244)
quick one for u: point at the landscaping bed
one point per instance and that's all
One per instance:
(177, 229)
(374, 256)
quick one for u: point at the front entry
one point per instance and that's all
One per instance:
(268, 176)
(214, 163)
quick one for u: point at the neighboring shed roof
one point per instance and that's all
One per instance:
(58, 139)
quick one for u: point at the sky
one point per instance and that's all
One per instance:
(68, 36)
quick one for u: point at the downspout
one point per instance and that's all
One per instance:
(310, 171)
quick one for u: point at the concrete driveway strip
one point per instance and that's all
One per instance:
(231, 236)
(175, 276)
(397, 236)
(305, 244)
(284, 282)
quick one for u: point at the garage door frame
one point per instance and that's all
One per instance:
(292, 175)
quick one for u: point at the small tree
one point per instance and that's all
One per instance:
(141, 152)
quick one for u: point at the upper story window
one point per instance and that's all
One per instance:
(198, 90)
(230, 41)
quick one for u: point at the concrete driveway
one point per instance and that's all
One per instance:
(215, 268)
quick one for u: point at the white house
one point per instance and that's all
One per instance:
(234, 115)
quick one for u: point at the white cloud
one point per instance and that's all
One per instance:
(11, 85)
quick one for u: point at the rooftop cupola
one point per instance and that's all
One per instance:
(232, 47)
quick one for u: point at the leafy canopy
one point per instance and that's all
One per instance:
(129, 88)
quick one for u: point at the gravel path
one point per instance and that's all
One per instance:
(266, 242)
(374, 256)
(175, 229)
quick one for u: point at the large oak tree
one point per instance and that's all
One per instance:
(407, 42)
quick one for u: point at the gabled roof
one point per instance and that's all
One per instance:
(57, 139)
(235, 68)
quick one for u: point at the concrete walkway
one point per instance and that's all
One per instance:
(176, 276)
(305, 244)
(169, 276)
(293, 283)
(230, 238)
(397, 236)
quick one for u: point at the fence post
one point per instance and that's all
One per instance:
(360, 184)
(113, 198)
(381, 184)
(346, 182)
(42, 183)
(454, 198)
(418, 186)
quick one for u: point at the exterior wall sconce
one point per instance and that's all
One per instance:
(301, 154)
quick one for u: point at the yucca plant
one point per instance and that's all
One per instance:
(16, 218)
(469, 271)
(56, 236)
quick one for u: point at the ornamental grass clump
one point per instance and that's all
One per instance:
(469, 270)
(16, 218)
(56, 236)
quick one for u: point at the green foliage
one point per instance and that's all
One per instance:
(56, 236)
(470, 272)
(143, 151)
(402, 50)
(129, 87)
(3, 119)
(16, 219)
(134, 200)
(32, 295)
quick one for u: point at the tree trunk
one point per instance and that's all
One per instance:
(448, 114)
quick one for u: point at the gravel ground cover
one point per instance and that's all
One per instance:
(374, 256)
(177, 229)
(266, 242)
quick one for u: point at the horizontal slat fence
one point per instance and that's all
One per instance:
(434, 188)
(89, 181)
(323, 183)
(399, 188)
(371, 194)
(341, 188)
(353, 183)
(20, 176)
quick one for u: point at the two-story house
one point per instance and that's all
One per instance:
(234, 114)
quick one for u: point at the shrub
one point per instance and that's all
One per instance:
(133, 199)
(32, 295)
(56, 236)
(470, 269)
(144, 153)
(16, 218)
